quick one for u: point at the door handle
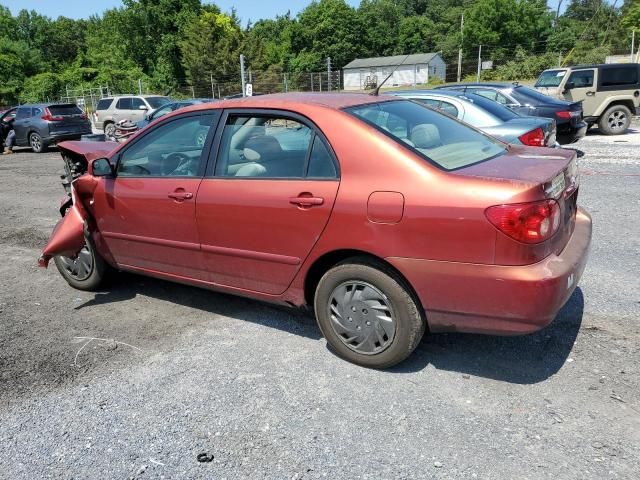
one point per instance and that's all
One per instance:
(306, 201)
(177, 195)
(590, 94)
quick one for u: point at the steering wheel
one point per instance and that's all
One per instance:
(174, 161)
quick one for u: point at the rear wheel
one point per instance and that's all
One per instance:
(36, 143)
(615, 120)
(368, 314)
(85, 271)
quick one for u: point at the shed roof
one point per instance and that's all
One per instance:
(415, 59)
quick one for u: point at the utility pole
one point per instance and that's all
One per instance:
(460, 51)
(193, 92)
(328, 74)
(479, 62)
(286, 86)
(213, 95)
(555, 24)
(242, 74)
(140, 86)
(633, 43)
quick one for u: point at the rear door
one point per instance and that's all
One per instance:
(263, 207)
(147, 213)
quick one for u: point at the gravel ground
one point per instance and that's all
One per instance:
(139, 379)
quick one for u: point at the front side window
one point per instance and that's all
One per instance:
(263, 146)
(581, 78)
(438, 138)
(173, 149)
(136, 103)
(124, 104)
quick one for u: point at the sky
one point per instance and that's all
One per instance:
(247, 9)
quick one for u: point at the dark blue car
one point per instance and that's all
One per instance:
(168, 108)
(41, 125)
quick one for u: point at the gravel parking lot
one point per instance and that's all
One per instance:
(139, 379)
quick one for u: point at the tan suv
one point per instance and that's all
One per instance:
(610, 94)
(127, 107)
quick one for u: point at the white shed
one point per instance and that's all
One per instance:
(414, 69)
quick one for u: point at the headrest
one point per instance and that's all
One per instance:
(425, 135)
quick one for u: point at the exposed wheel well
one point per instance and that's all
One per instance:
(627, 103)
(328, 260)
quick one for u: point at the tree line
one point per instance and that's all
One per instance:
(167, 43)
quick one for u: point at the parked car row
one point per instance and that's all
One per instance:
(384, 217)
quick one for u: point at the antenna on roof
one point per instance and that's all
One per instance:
(376, 92)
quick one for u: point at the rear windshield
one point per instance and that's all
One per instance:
(550, 78)
(494, 108)
(436, 137)
(65, 110)
(157, 102)
(104, 104)
(526, 95)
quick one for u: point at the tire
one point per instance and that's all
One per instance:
(109, 130)
(615, 120)
(88, 279)
(364, 286)
(36, 143)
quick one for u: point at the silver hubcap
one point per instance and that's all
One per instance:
(617, 120)
(35, 142)
(110, 130)
(81, 266)
(362, 317)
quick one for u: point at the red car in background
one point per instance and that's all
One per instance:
(383, 216)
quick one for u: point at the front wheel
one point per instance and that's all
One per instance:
(110, 131)
(368, 314)
(85, 271)
(36, 143)
(615, 120)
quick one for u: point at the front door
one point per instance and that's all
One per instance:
(266, 204)
(583, 89)
(147, 213)
(21, 125)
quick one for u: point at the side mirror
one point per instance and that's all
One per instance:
(569, 86)
(143, 107)
(101, 168)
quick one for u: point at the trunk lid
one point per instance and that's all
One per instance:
(547, 125)
(542, 173)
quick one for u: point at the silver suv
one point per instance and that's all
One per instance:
(610, 93)
(127, 107)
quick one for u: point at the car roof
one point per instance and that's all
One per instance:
(335, 101)
(442, 93)
(483, 84)
(43, 105)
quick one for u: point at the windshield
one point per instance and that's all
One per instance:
(550, 78)
(494, 108)
(436, 137)
(157, 102)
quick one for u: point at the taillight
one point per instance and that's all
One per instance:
(50, 118)
(83, 116)
(564, 115)
(532, 222)
(534, 138)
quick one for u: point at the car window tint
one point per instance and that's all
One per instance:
(23, 113)
(449, 108)
(622, 75)
(170, 150)
(36, 112)
(581, 78)
(104, 104)
(124, 104)
(136, 103)
(263, 146)
(437, 138)
(321, 163)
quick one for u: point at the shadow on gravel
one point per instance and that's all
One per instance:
(523, 359)
(127, 286)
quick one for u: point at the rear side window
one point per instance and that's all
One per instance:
(124, 104)
(36, 112)
(136, 103)
(23, 113)
(449, 108)
(490, 94)
(65, 110)
(320, 163)
(619, 76)
(104, 104)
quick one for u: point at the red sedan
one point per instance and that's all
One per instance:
(382, 215)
